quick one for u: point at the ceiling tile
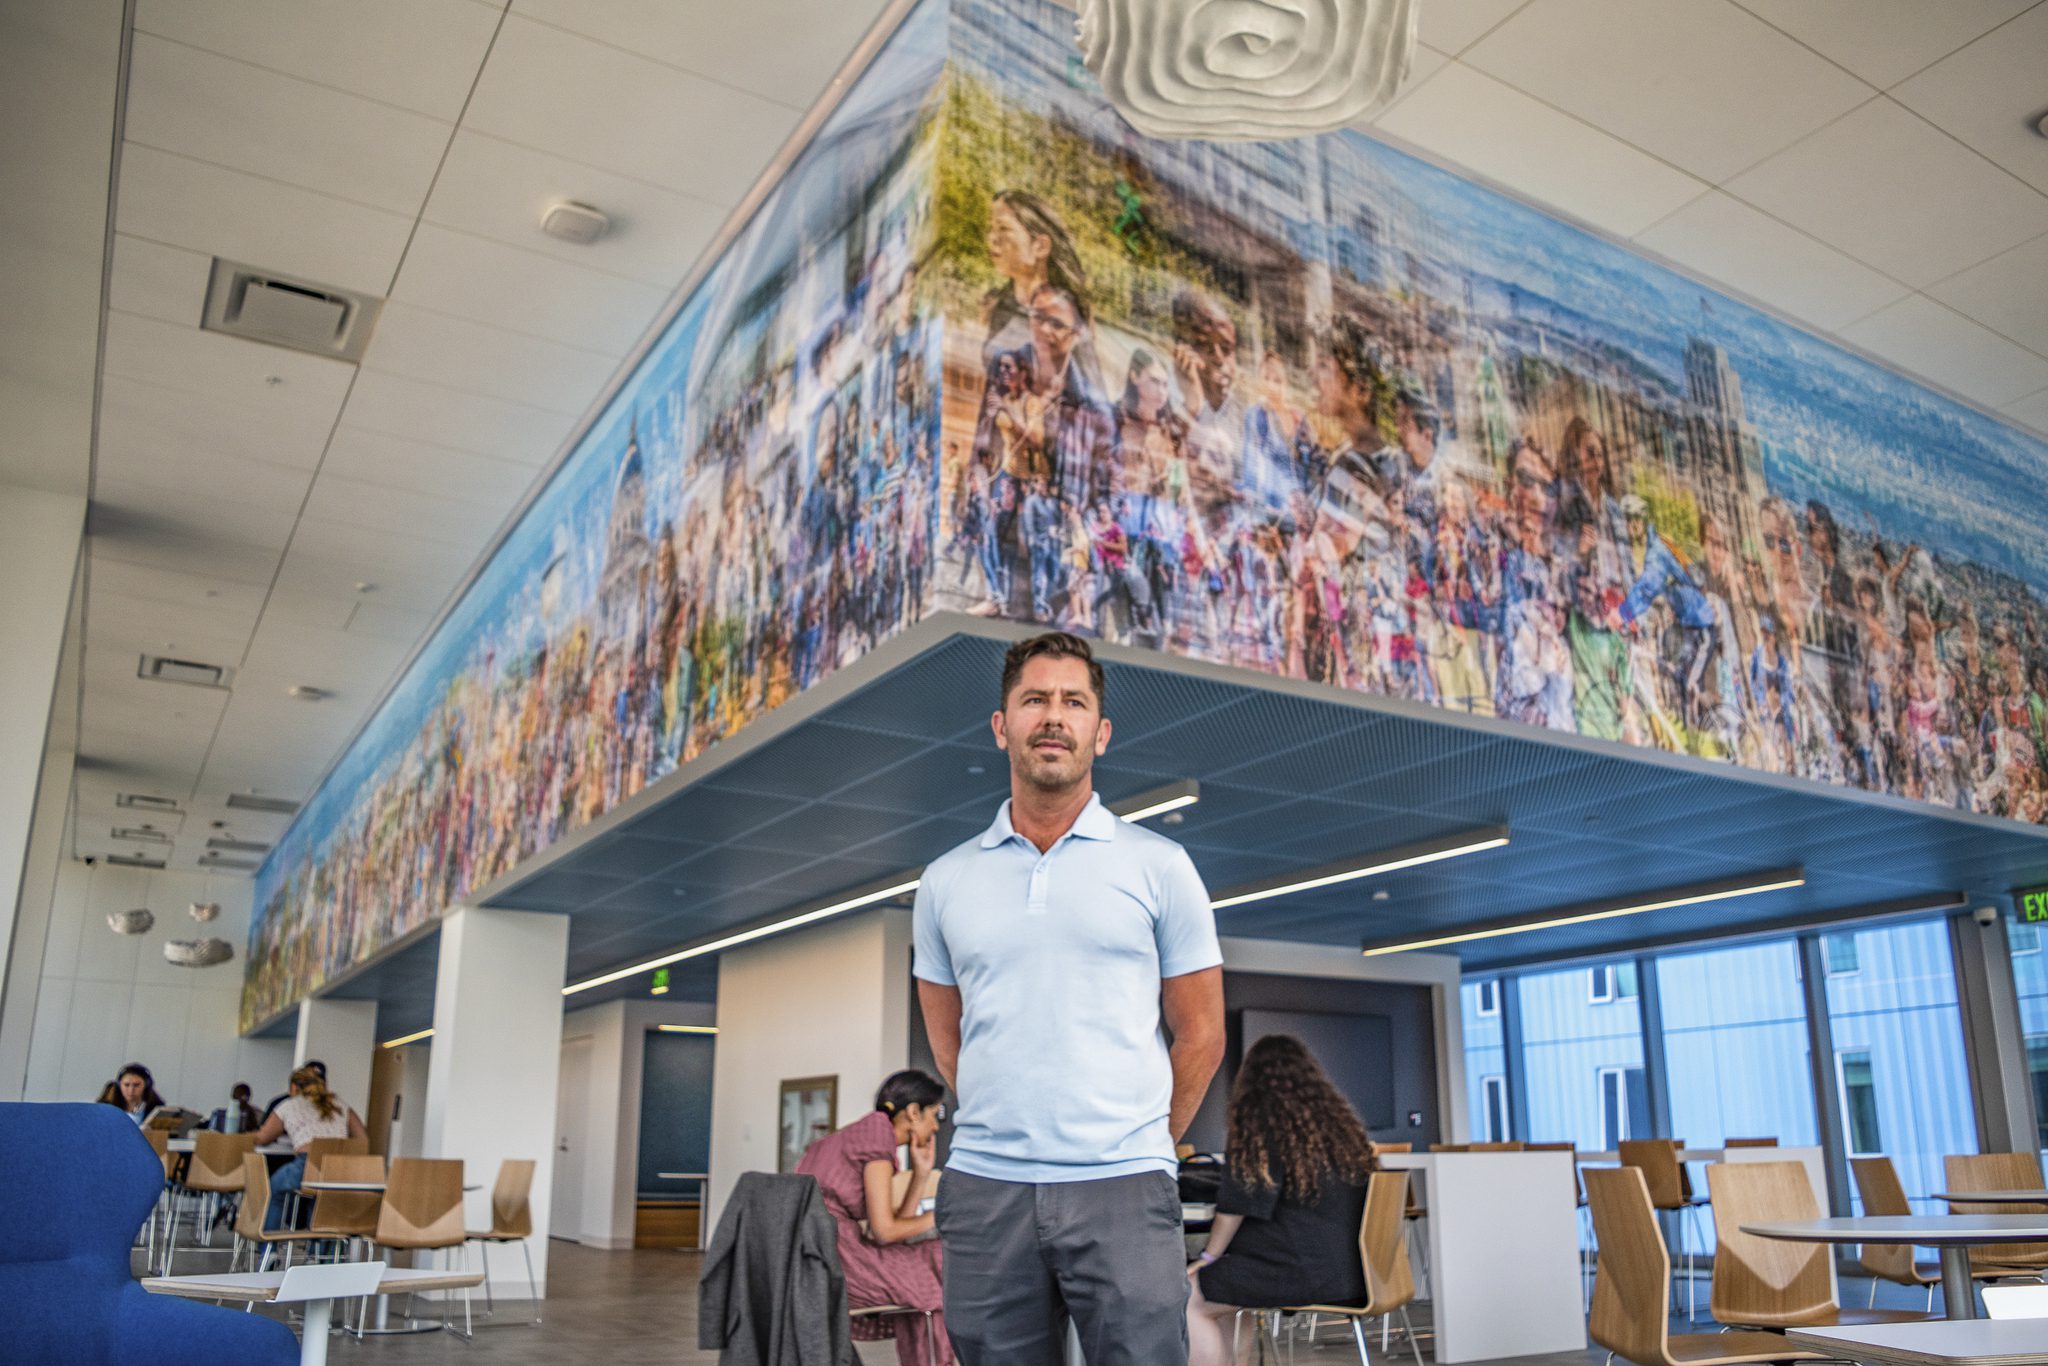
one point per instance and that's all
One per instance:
(1991, 93)
(1474, 121)
(143, 624)
(486, 281)
(782, 50)
(583, 100)
(500, 190)
(412, 574)
(158, 281)
(1884, 41)
(283, 424)
(460, 354)
(1923, 337)
(490, 426)
(195, 506)
(458, 522)
(1893, 192)
(2031, 410)
(135, 455)
(1733, 244)
(259, 222)
(160, 547)
(400, 624)
(2008, 293)
(166, 354)
(213, 108)
(1704, 85)
(417, 54)
(1427, 62)
(1454, 25)
(416, 466)
(237, 603)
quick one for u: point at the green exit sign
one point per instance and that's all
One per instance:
(2033, 904)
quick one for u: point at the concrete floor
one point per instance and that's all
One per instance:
(639, 1308)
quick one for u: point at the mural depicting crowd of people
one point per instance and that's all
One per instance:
(1309, 408)
(1390, 463)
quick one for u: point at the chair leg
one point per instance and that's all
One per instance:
(1408, 1327)
(483, 1250)
(1236, 1325)
(1358, 1336)
(533, 1287)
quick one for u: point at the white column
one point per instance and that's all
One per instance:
(42, 533)
(497, 1053)
(342, 1036)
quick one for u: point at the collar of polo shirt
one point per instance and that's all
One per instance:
(1094, 823)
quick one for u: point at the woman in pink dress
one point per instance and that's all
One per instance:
(854, 1169)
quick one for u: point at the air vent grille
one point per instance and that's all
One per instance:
(214, 860)
(289, 311)
(133, 861)
(130, 835)
(222, 844)
(249, 801)
(142, 801)
(192, 672)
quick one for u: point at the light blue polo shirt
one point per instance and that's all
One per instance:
(1064, 1073)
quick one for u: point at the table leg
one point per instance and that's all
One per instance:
(313, 1338)
(1958, 1292)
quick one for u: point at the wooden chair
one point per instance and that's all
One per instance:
(1389, 1279)
(1877, 1182)
(1670, 1190)
(341, 1215)
(1998, 1172)
(512, 1222)
(1415, 1212)
(214, 1171)
(1767, 1282)
(1749, 1142)
(320, 1149)
(1630, 1280)
(422, 1212)
(1450, 1147)
(249, 1231)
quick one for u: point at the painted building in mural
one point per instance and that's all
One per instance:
(1313, 408)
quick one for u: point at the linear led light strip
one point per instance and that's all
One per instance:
(1777, 880)
(666, 1029)
(1393, 860)
(1168, 798)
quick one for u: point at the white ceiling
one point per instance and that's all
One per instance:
(1863, 166)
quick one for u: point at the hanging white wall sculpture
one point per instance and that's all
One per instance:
(203, 911)
(198, 953)
(1247, 70)
(136, 921)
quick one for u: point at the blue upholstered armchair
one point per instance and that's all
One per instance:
(76, 1182)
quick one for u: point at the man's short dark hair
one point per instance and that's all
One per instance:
(1053, 645)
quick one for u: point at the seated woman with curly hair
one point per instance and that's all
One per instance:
(1293, 1196)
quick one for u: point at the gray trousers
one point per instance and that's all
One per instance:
(1022, 1259)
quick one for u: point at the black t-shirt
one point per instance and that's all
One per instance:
(1289, 1251)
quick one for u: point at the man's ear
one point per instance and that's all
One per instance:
(995, 723)
(1102, 735)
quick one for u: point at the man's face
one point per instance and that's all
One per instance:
(1052, 724)
(1416, 440)
(1215, 346)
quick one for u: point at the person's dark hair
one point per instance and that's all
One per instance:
(317, 1066)
(1062, 263)
(1289, 1129)
(1356, 356)
(312, 1083)
(241, 1091)
(909, 1087)
(1054, 645)
(110, 1094)
(1194, 313)
(150, 1099)
(1817, 514)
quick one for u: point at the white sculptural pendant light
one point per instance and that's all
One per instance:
(1247, 70)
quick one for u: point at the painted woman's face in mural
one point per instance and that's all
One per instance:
(1154, 388)
(1012, 249)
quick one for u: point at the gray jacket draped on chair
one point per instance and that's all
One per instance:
(771, 1292)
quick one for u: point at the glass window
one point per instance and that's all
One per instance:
(2030, 979)
(2022, 937)
(1485, 1055)
(1495, 1112)
(1839, 950)
(1859, 1103)
(1899, 1063)
(1569, 1044)
(1735, 1043)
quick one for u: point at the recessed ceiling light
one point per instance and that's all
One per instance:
(567, 220)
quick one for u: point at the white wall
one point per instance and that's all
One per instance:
(1438, 971)
(618, 1034)
(829, 1001)
(106, 999)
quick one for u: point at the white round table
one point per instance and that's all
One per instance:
(2016, 1197)
(1952, 1235)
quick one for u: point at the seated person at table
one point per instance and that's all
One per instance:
(308, 1112)
(135, 1092)
(1293, 1197)
(855, 1169)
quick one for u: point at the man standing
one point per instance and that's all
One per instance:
(1050, 950)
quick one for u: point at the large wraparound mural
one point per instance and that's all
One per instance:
(1311, 408)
